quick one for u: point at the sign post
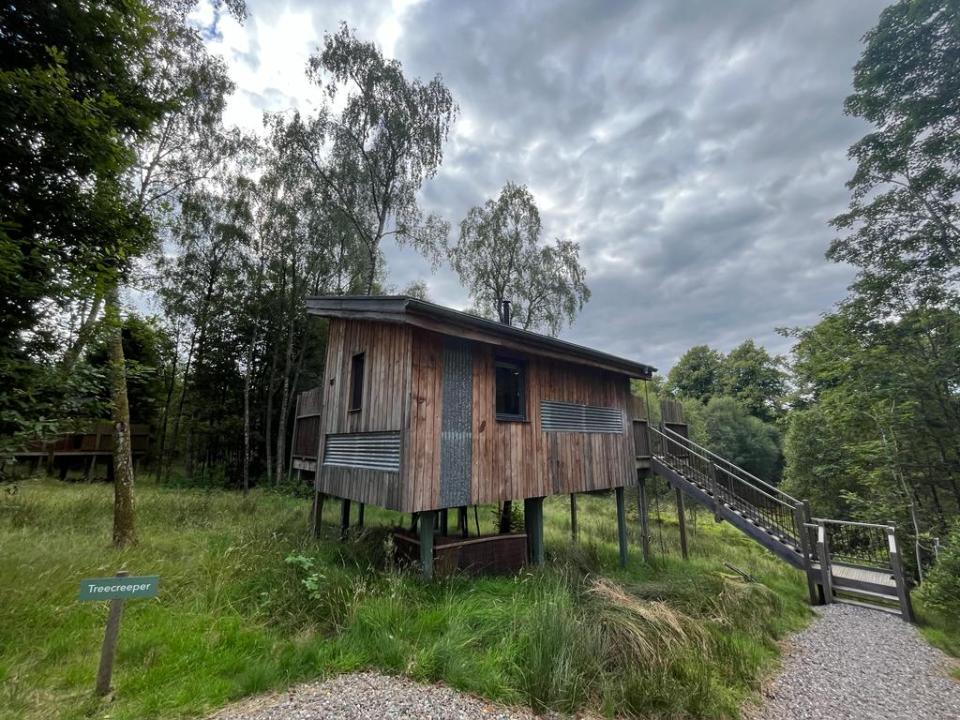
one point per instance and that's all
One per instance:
(116, 590)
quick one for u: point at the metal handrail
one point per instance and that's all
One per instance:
(759, 490)
(851, 522)
(733, 465)
(732, 489)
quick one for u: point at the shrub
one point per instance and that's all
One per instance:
(941, 588)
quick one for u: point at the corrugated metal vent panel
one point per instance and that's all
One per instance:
(375, 451)
(570, 417)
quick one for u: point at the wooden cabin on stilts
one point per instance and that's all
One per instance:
(429, 411)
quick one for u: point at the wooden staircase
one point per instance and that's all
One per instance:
(843, 561)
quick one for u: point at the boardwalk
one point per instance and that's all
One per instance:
(859, 664)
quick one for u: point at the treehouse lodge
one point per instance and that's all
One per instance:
(424, 409)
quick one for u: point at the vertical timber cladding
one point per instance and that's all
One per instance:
(456, 432)
(513, 460)
(386, 348)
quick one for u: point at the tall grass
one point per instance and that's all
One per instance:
(249, 602)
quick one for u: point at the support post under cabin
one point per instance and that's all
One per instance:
(574, 528)
(316, 514)
(344, 518)
(426, 544)
(444, 522)
(682, 521)
(642, 511)
(533, 520)
(621, 526)
(360, 509)
(462, 525)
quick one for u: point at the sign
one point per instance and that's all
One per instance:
(119, 588)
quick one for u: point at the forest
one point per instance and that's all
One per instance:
(120, 180)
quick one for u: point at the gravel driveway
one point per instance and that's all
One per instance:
(368, 696)
(853, 663)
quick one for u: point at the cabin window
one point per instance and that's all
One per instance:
(356, 382)
(511, 388)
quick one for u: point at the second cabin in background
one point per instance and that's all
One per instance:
(425, 408)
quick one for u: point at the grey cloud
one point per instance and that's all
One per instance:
(695, 149)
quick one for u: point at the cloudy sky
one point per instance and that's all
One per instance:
(695, 149)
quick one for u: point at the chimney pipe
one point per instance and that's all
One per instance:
(505, 312)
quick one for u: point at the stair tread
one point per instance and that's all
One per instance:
(869, 606)
(866, 593)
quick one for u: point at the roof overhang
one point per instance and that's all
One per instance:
(437, 318)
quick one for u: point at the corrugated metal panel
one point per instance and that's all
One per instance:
(375, 451)
(570, 417)
(456, 436)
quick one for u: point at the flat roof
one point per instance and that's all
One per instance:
(430, 316)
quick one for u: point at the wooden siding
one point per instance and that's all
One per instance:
(514, 460)
(387, 349)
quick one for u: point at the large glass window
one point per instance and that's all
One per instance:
(510, 390)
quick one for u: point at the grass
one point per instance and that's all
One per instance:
(234, 617)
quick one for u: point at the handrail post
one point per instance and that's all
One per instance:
(896, 564)
(715, 489)
(801, 514)
(823, 551)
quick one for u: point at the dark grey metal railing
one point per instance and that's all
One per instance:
(764, 504)
(857, 543)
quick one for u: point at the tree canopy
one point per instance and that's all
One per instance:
(499, 257)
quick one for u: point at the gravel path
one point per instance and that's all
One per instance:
(860, 664)
(368, 696)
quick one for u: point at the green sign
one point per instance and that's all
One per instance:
(119, 588)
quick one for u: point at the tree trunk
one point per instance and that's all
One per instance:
(84, 334)
(284, 404)
(124, 532)
(268, 430)
(247, 381)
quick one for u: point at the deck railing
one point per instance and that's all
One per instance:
(855, 543)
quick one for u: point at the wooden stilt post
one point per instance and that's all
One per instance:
(360, 509)
(802, 518)
(344, 518)
(682, 520)
(444, 522)
(533, 519)
(621, 526)
(574, 528)
(462, 524)
(91, 466)
(826, 575)
(316, 513)
(414, 518)
(643, 513)
(426, 544)
(903, 592)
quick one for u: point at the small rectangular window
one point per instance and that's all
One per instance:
(356, 382)
(511, 389)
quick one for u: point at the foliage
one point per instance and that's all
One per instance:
(369, 160)
(696, 374)
(233, 618)
(755, 378)
(725, 427)
(70, 98)
(903, 227)
(499, 257)
(874, 436)
(941, 588)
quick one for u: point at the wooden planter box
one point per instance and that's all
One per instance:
(484, 555)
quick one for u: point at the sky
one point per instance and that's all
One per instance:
(694, 149)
